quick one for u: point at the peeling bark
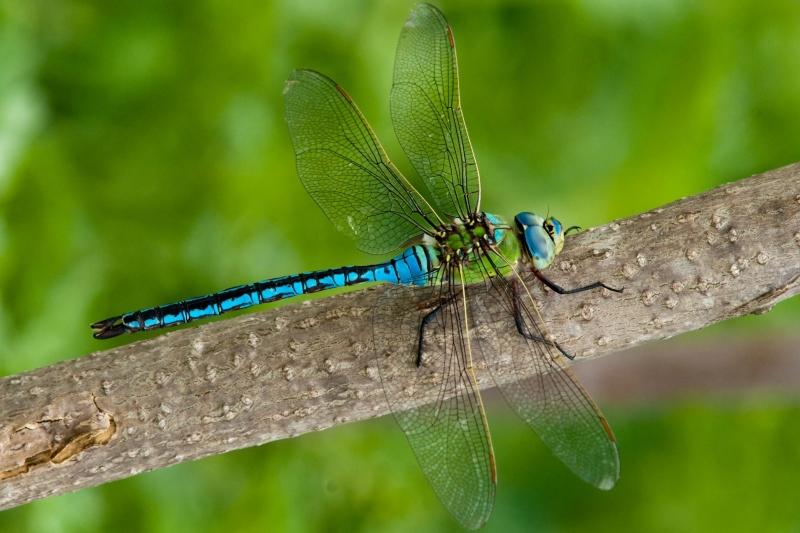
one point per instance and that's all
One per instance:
(63, 428)
(305, 367)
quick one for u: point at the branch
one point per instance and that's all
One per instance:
(305, 367)
(724, 370)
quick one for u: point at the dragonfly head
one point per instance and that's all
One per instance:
(542, 238)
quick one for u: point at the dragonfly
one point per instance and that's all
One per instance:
(469, 261)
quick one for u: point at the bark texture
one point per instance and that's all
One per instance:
(307, 366)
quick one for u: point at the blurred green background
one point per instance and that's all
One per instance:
(144, 158)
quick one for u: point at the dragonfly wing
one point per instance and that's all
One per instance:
(426, 112)
(536, 381)
(437, 403)
(346, 170)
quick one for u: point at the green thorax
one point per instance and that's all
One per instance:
(464, 243)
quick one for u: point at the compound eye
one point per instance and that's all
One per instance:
(525, 219)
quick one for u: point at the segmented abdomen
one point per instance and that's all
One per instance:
(412, 266)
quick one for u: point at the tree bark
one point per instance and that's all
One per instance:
(308, 366)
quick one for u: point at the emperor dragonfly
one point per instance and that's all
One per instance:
(447, 244)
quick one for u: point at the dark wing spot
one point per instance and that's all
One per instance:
(344, 93)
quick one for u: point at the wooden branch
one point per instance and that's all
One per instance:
(308, 366)
(723, 370)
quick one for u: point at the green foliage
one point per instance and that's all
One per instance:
(144, 157)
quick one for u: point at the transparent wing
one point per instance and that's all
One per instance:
(437, 403)
(426, 112)
(345, 169)
(536, 381)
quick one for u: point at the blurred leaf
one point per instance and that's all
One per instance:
(144, 158)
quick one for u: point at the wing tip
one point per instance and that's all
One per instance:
(289, 85)
(310, 75)
(609, 480)
(422, 10)
(607, 483)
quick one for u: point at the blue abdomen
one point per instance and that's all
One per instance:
(411, 267)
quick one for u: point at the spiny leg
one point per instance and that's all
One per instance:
(424, 324)
(512, 288)
(523, 330)
(561, 290)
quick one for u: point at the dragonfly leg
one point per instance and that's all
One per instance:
(561, 290)
(524, 330)
(424, 324)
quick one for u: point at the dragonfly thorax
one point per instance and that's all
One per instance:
(463, 240)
